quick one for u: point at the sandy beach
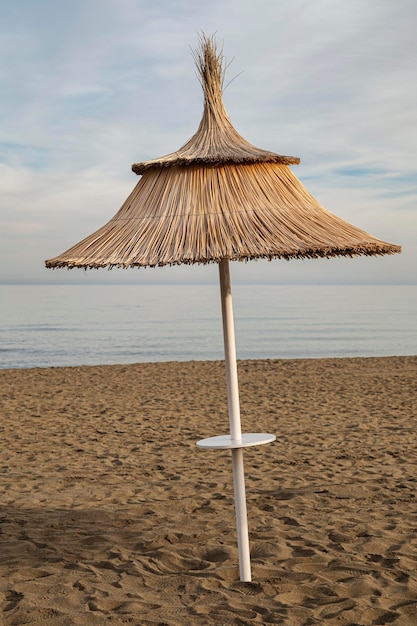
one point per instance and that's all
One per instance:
(109, 514)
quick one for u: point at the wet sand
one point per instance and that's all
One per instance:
(109, 514)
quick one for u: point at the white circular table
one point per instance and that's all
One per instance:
(225, 442)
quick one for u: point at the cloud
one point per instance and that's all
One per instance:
(94, 85)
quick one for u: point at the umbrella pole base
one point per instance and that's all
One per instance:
(225, 442)
(241, 516)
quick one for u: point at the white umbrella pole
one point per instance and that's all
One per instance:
(235, 441)
(234, 420)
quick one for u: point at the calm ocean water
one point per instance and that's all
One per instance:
(53, 325)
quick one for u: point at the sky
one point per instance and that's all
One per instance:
(91, 86)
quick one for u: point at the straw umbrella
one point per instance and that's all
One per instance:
(220, 199)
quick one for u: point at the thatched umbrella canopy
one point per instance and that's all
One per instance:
(220, 199)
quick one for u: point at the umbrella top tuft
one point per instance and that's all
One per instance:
(216, 140)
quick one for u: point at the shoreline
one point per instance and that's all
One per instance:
(110, 514)
(184, 362)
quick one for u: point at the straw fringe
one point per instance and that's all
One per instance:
(204, 214)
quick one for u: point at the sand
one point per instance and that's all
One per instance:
(109, 514)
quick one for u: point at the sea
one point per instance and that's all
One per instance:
(70, 325)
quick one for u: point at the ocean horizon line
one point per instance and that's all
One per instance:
(249, 283)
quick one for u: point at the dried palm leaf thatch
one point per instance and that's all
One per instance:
(205, 214)
(217, 198)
